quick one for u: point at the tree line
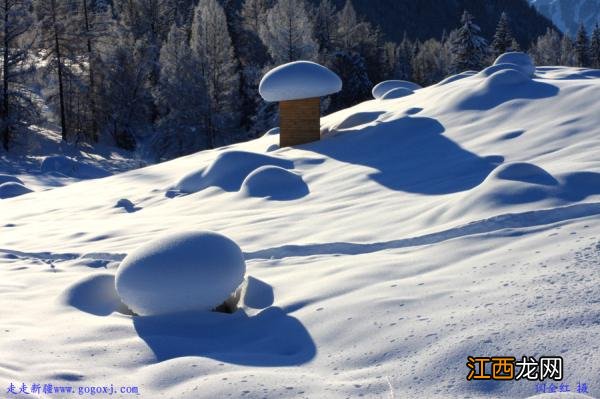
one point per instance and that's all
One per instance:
(170, 77)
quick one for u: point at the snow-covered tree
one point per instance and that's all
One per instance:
(125, 99)
(582, 48)
(431, 64)
(181, 97)
(211, 44)
(16, 108)
(350, 67)
(469, 48)
(547, 48)
(289, 32)
(325, 24)
(503, 38)
(55, 19)
(567, 52)
(595, 48)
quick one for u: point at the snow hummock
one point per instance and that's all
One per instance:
(461, 220)
(398, 92)
(383, 87)
(186, 271)
(12, 189)
(298, 80)
(66, 166)
(9, 179)
(273, 182)
(521, 60)
(228, 171)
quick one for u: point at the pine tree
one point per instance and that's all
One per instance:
(595, 48)
(325, 24)
(16, 108)
(289, 32)
(404, 59)
(211, 44)
(431, 63)
(582, 47)
(181, 97)
(469, 48)
(351, 68)
(567, 52)
(503, 38)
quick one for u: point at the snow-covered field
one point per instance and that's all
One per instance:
(461, 220)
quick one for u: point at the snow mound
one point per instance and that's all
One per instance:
(9, 179)
(506, 77)
(187, 271)
(381, 88)
(489, 71)
(521, 60)
(126, 205)
(62, 165)
(525, 172)
(273, 182)
(228, 171)
(12, 189)
(398, 92)
(95, 294)
(454, 78)
(298, 80)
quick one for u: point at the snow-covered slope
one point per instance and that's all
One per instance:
(460, 220)
(567, 15)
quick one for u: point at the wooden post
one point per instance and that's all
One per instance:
(299, 121)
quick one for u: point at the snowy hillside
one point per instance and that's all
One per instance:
(461, 220)
(568, 14)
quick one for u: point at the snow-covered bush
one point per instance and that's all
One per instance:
(275, 183)
(12, 189)
(187, 271)
(521, 60)
(381, 88)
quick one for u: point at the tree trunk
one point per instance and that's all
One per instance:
(92, 97)
(61, 91)
(5, 100)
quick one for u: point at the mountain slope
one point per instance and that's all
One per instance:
(461, 220)
(567, 15)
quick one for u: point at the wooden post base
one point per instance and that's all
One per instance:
(299, 121)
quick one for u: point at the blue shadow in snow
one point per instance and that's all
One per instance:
(410, 154)
(269, 339)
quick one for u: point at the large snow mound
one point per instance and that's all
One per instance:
(187, 271)
(273, 182)
(520, 60)
(12, 189)
(228, 171)
(9, 179)
(298, 80)
(383, 87)
(63, 165)
(398, 92)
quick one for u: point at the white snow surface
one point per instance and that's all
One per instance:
(298, 80)
(180, 272)
(460, 220)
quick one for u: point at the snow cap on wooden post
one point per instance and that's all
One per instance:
(298, 87)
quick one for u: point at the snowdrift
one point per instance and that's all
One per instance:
(462, 219)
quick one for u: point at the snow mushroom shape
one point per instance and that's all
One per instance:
(381, 88)
(186, 271)
(12, 189)
(274, 183)
(521, 60)
(298, 87)
(298, 80)
(397, 93)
